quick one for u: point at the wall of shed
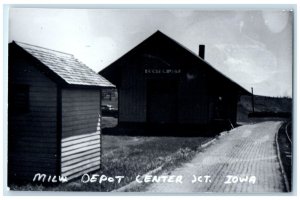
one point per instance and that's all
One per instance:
(80, 145)
(32, 144)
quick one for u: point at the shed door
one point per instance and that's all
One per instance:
(162, 101)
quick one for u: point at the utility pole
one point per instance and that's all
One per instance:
(252, 100)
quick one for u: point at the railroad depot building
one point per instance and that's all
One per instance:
(54, 116)
(161, 82)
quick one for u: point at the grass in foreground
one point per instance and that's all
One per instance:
(131, 156)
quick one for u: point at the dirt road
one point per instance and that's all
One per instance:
(247, 152)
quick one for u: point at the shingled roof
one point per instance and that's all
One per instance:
(66, 66)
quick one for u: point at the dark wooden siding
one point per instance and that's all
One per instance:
(192, 96)
(193, 101)
(32, 134)
(80, 145)
(132, 97)
(196, 102)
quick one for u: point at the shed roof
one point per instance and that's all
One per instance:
(66, 67)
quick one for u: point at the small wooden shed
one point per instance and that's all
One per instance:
(161, 82)
(54, 114)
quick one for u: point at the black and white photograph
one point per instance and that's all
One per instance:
(153, 101)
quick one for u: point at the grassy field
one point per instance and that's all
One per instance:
(262, 104)
(131, 156)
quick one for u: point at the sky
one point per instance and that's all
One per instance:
(252, 47)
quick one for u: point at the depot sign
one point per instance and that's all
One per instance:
(162, 71)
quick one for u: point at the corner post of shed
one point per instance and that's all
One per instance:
(59, 128)
(100, 113)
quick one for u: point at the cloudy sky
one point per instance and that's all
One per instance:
(254, 48)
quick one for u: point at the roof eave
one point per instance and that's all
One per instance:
(75, 86)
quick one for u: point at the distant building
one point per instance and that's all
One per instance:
(54, 115)
(161, 82)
